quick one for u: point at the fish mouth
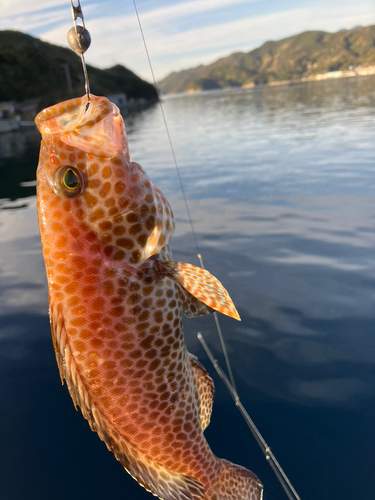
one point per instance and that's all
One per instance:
(93, 125)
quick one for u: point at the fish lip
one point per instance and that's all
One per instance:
(52, 112)
(96, 126)
(74, 111)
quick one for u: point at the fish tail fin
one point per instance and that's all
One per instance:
(234, 482)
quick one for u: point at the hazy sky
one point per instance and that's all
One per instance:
(180, 34)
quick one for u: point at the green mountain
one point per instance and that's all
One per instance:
(291, 59)
(30, 68)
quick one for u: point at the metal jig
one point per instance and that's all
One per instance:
(79, 39)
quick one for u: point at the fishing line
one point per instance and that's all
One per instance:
(166, 128)
(270, 457)
(230, 385)
(199, 255)
(221, 337)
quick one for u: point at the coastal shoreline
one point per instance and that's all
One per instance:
(329, 75)
(307, 56)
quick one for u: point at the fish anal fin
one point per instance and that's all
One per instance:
(203, 286)
(153, 476)
(206, 390)
(234, 482)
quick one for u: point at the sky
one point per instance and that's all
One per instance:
(180, 34)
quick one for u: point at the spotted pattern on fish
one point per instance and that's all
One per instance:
(115, 307)
(122, 208)
(206, 390)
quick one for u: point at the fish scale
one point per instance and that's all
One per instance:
(115, 307)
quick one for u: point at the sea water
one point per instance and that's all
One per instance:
(280, 183)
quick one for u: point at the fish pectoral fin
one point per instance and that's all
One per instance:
(203, 286)
(206, 390)
(192, 306)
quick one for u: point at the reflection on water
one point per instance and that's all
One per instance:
(18, 154)
(281, 187)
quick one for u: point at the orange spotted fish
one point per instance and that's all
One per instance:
(115, 300)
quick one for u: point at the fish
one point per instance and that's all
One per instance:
(115, 303)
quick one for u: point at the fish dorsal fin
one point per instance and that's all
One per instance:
(206, 390)
(202, 285)
(153, 476)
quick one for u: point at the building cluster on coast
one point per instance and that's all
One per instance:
(350, 72)
(14, 115)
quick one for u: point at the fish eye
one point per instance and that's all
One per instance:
(69, 181)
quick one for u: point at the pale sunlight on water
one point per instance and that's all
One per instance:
(281, 184)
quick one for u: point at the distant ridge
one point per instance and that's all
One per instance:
(300, 57)
(30, 68)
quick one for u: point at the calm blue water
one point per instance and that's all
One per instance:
(281, 185)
